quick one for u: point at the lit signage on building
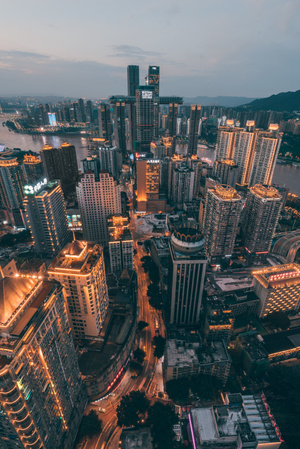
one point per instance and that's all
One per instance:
(52, 119)
(147, 95)
(35, 188)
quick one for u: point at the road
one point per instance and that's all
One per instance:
(149, 381)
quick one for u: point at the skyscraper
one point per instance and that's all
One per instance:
(42, 400)
(195, 116)
(183, 179)
(33, 168)
(221, 217)
(266, 151)
(111, 160)
(119, 115)
(186, 276)
(145, 116)
(97, 198)
(260, 218)
(227, 171)
(133, 79)
(46, 217)
(152, 79)
(79, 267)
(104, 121)
(12, 179)
(120, 244)
(50, 159)
(147, 182)
(172, 119)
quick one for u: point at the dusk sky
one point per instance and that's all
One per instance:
(212, 47)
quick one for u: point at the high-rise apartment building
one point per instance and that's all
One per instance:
(120, 244)
(46, 217)
(260, 217)
(60, 163)
(133, 79)
(110, 159)
(278, 288)
(97, 199)
(12, 179)
(226, 171)
(193, 133)
(183, 179)
(196, 165)
(79, 267)
(186, 276)
(147, 182)
(42, 400)
(243, 151)
(104, 122)
(225, 141)
(221, 217)
(266, 151)
(152, 79)
(33, 168)
(145, 116)
(119, 115)
(172, 119)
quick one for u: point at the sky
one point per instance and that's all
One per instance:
(203, 47)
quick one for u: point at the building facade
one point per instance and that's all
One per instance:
(46, 217)
(221, 217)
(145, 116)
(193, 133)
(80, 269)
(133, 79)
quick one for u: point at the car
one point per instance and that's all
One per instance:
(101, 410)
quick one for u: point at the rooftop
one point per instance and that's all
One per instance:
(78, 256)
(229, 283)
(265, 192)
(136, 439)
(278, 275)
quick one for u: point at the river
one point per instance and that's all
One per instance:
(285, 175)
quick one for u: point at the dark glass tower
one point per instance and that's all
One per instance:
(133, 79)
(194, 128)
(145, 116)
(152, 78)
(119, 115)
(105, 129)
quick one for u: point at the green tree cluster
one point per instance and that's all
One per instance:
(90, 425)
(202, 385)
(141, 325)
(159, 344)
(14, 239)
(132, 409)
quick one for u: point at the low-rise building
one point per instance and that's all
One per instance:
(136, 438)
(183, 359)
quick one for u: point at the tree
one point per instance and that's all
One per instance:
(205, 386)
(152, 289)
(135, 368)
(279, 319)
(161, 419)
(90, 425)
(132, 409)
(139, 355)
(178, 389)
(159, 344)
(156, 302)
(142, 324)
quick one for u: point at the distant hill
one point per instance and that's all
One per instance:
(227, 102)
(283, 102)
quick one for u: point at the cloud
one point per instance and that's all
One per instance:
(130, 51)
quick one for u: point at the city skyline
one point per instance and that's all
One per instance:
(234, 49)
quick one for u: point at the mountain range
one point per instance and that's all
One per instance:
(227, 102)
(283, 102)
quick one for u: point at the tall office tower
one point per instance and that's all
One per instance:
(266, 152)
(196, 165)
(120, 244)
(145, 117)
(46, 217)
(227, 172)
(261, 213)
(195, 116)
(186, 276)
(221, 217)
(104, 121)
(133, 79)
(147, 182)
(132, 126)
(33, 168)
(12, 179)
(164, 175)
(183, 179)
(111, 160)
(89, 111)
(119, 115)
(50, 160)
(42, 399)
(164, 121)
(172, 122)
(278, 288)
(97, 198)
(79, 267)
(68, 165)
(81, 109)
(178, 126)
(152, 79)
